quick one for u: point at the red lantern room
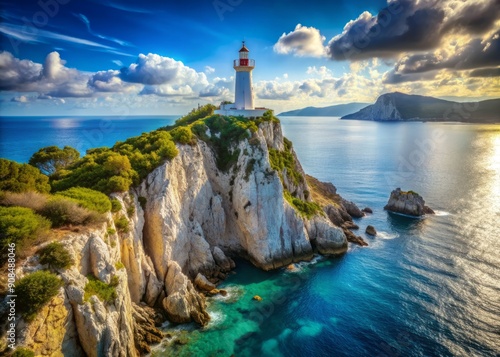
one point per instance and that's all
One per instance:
(244, 55)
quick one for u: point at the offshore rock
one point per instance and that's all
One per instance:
(407, 202)
(371, 230)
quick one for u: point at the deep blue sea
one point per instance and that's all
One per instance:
(428, 287)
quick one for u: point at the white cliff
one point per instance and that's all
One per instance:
(186, 219)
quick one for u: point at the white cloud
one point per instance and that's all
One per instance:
(153, 69)
(209, 70)
(303, 41)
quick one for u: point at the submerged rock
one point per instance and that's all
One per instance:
(407, 202)
(257, 298)
(371, 230)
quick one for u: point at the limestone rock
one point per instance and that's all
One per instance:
(183, 303)
(202, 283)
(145, 331)
(409, 203)
(352, 209)
(326, 238)
(371, 230)
(225, 263)
(351, 237)
(350, 225)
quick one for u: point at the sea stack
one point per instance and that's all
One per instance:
(407, 202)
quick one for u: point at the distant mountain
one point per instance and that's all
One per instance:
(398, 107)
(331, 111)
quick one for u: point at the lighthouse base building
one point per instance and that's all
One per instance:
(243, 101)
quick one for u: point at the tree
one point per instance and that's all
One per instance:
(16, 177)
(51, 159)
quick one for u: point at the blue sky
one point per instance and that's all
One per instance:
(78, 57)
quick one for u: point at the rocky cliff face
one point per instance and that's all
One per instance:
(384, 109)
(185, 220)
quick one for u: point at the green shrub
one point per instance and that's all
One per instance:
(110, 231)
(142, 201)
(194, 115)
(21, 226)
(131, 210)
(119, 265)
(88, 198)
(115, 205)
(105, 292)
(23, 352)
(56, 256)
(122, 224)
(16, 177)
(62, 211)
(281, 160)
(306, 209)
(182, 135)
(35, 290)
(51, 159)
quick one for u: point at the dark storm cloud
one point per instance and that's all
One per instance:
(486, 72)
(476, 54)
(405, 25)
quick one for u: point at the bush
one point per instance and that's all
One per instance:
(35, 290)
(61, 211)
(16, 177)
(182, 135)
(105, 292)
(51, 159)
(23, 352)
(119, 265)
(115, 205)
(21, 226)
(88, 198)
(56, 256)
(122, 224)
(29, 199)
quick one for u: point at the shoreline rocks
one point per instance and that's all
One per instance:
(408, 203)
(371, 230)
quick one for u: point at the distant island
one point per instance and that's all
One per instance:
(404, 107)
(331, 111)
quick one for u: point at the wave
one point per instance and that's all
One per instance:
(441, 213)
(234, 292)
(387, 235)
(216, 319)
(300, 266)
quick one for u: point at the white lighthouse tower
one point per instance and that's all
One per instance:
(243, 101)
(243, 89)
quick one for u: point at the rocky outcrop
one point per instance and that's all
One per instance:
(202, 283)
(370, 230)
(183, 303)
(146, 332)
(408, 203)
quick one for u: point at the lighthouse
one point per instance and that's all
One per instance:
(243, 88)
(243, 92)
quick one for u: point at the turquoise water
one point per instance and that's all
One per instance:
(427, 287)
